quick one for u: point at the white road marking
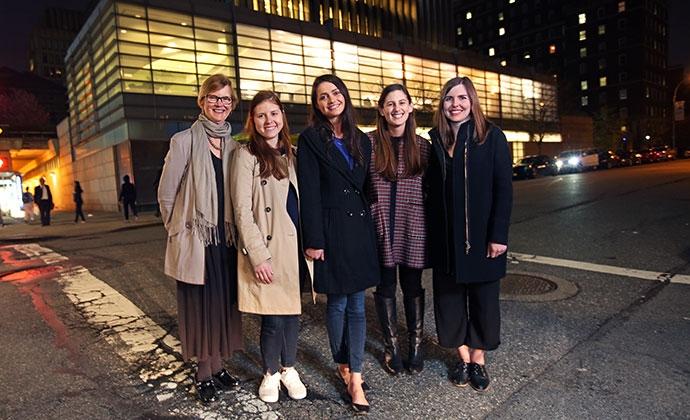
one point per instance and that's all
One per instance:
(601, 268)
(136, 337)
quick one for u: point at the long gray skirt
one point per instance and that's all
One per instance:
(210, 325)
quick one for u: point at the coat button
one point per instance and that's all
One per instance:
(349, 213)
(362, 213)
(188, 225)
(269, 237)
(346, 191)
(357, 192)
(264, 182)
(268, 209)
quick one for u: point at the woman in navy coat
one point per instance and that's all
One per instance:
(469, 185)
(338, 231)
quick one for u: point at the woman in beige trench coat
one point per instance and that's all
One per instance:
(270, 264)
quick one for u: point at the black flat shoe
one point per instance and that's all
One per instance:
(206, 391)
(460, 374)
(479, 377)
(225, 379)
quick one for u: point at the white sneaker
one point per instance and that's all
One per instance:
(290, 379)
(270, 388)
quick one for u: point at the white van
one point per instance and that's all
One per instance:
(577, 160)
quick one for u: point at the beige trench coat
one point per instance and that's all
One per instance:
(184, 253)
(265, 231)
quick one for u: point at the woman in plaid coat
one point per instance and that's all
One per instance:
(398, 160)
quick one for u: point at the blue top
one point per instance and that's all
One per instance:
(346, 153)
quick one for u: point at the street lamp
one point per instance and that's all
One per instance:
(673, 121)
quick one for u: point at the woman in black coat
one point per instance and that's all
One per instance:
(332, 164)
(78, 202)
(469, 186)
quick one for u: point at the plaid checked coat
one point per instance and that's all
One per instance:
(407, 245)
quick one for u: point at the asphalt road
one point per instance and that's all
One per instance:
(615, 348)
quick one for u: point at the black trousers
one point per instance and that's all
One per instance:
(78, 213)
(44, 207)
(410, 281)
(127, 204)
(467, 313)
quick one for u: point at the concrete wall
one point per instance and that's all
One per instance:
(97, 175)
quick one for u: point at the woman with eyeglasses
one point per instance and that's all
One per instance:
(469, 185)
(396, 172)
(338, 231)
(200, 254)
(271, 265)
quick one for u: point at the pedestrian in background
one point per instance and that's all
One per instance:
(398, 161)
(271, 265)
(200, 253)
(128, 197)
(44, 198)
(28, 206)
(338, 231)
(469, 182)
(78, 202)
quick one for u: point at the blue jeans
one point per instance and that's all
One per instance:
(347, 328)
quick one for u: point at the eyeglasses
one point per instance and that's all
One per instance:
(225, 100)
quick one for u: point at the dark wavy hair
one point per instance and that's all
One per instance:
(481, 126)
(386, 156)
(348, 122)
(270, 163)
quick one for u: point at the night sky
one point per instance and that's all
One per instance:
(18, 17)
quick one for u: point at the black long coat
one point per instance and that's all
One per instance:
(335, 215)
(489, 203)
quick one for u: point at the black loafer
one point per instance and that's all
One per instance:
(225, 379)
(206, 391)
(479, 377)
(460, 374)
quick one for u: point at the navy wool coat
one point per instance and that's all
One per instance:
(335, 214)
(489, 197)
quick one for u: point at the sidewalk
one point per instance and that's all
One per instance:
(62, 225)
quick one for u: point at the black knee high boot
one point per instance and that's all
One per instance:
(388, 317)
(414, 313)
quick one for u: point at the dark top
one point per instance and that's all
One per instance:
(489, 202)
(128, 192)
(77, 196)
(335, 214)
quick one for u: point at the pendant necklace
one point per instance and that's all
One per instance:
(213, 145)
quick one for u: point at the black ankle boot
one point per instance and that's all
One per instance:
(414, 313)
(388, 316)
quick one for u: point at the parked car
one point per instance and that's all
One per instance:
(647, 155)
(664, 152)
(608, 159)
(577, 160)
(534, 165)
(629, 157)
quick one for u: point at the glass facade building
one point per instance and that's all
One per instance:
(134, 70)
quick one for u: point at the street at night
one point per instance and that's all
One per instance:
(594, 310)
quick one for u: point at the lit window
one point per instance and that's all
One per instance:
(527, 56)
(459, 30)
(602, 81)
(623, 94)
(468, 15)
(583, 85)
(583, 35)
(500, 16)
(582, 18)
(583, 52)
(504, 63)
(621, 6)
(552, 49)
(511, 1)
(602, 29)
(584, 100)
(501, 31)
(492, 52)
(470, 42)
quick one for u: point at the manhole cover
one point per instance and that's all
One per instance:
(527, 287)
(522, 284)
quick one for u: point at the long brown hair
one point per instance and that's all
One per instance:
(386, 156)
(480, 121)
(348, 122)
(270, 163)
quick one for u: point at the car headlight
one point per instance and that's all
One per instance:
(573, 161)
(559, 163)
